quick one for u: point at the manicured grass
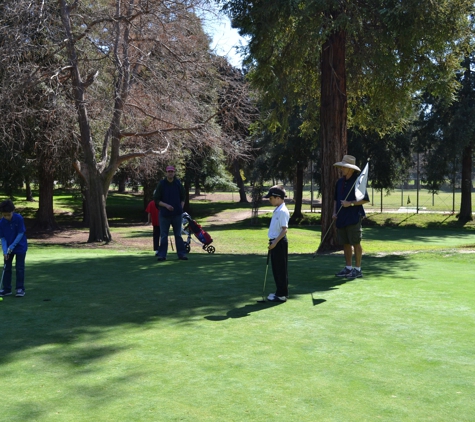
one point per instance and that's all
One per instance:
(105, 333)
(109, 336)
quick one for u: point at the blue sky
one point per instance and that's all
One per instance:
(224, 38)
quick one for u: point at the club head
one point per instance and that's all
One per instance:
(261, 301)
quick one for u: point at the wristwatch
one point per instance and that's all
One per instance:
(352, 204)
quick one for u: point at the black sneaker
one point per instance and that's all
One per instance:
(5, 293)
(20, 293)
(344, 272)
(161, 259)
(354, 273)
(183, 258)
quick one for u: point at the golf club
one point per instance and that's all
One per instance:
(263, 300)
(3, 273)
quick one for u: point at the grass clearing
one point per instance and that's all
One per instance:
(110, 336)
(105, 333)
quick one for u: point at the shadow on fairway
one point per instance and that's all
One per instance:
(84, 293)
(243, 311)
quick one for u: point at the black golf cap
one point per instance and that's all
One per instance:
(274, 191)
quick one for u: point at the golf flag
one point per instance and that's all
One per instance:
(360, 186)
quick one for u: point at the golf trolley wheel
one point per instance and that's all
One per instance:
(210, 249)
(187, 247)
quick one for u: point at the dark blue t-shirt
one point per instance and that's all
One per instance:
(349, 215)
(10, 230)
(171, 193)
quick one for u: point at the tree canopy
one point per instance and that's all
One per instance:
(362, 62)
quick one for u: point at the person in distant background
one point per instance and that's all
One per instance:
(169, 196)
(152, 217)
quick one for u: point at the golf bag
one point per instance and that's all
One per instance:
(190, 227)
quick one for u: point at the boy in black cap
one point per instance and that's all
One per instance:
(278, 245)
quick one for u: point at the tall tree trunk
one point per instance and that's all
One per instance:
(45, 215)
(466, 187)
(333, 121)
(197, 186)
(186, 186)
(85, 205)
(97, 186)
(29, 193)
(99, 225)
(148, 189)
(122, 183)
(298, 194)
(239, 182)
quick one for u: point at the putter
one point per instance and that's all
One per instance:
(3, 273)
(263, 300)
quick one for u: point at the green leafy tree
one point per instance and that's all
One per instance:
(363, 60)
(446, 135)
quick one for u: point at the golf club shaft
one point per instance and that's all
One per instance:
(3, 273)
(265, 277)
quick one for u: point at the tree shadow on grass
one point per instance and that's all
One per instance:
(71, 296)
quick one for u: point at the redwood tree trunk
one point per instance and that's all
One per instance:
(466, 187)
(333, 115)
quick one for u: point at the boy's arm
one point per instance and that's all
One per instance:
(282, 233)
(15, 242)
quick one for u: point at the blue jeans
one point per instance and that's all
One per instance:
(165, 223)
(19, 269)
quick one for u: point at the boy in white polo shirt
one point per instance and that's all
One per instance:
(278, 245)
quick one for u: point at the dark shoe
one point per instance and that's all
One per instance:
(273, 298)
(344, 272)
(20, 293)
(355, 274)
(161, 258)
(5, 293)
(183, 258)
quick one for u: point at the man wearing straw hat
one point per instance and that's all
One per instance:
(348, 213)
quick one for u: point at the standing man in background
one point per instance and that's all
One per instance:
(348, 213)
(169, 197)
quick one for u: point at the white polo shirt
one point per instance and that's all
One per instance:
(280, 219)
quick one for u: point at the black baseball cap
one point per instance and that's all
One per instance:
(274, 191)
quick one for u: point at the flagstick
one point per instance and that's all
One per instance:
(333, 219)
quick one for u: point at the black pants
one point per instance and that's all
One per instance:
(156, 237)
(279, 258)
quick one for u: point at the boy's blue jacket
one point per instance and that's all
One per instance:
(10, 231)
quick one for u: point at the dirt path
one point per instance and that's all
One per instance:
(78, 237)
